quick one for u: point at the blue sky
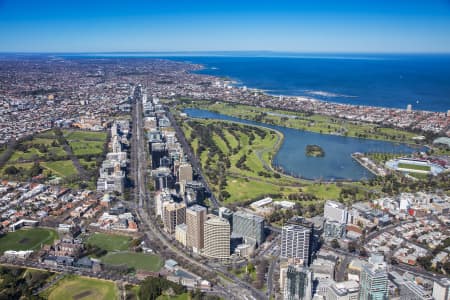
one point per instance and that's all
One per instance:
(171, 25)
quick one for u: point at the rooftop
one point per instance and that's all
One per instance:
(196, 208)
(247, 215)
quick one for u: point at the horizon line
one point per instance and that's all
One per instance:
(285, 52)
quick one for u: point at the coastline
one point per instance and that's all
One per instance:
(239, 84)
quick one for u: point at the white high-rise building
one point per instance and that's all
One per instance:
(409, 107)
(160, 198)
(217, 238)
(296, 242)
(335, 211)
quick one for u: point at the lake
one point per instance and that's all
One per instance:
(337, 164)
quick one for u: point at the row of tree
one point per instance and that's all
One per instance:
(18, 283)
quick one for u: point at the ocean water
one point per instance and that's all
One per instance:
(387, 81)
(337, 164)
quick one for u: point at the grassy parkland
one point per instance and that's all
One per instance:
(27, 239)
(242, 154)
(109, 242)
(305, 121)
(240, 186)
(115, 251)
(19, 283)
(77, 288)
(54, 154)
(85, 143)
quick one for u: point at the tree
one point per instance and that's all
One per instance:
(35, 170)
(225, 195)
(250, 267)
(362, 252)
(11, 170)
(153, 287)
(352, 246)
(425, 262)
(447, 267)
(335, 244)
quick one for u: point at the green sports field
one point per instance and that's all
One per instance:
(27, 239)
(414, 167)
(81, 288)
(148, 262)
(110, 242)
(81, 135)
(81, 148)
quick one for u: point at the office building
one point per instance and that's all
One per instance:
(181, 234)
(173, 214)
(410, 290)
(244, 250)
(296, 242)
(441, 289)
(160, 198)
(296, 282)
(227, 214)
(347, 290)
(248, 225)
(165, 162)
(158, 151)
(323, 268)
(163, 178)
(185, 172)
(217, 238)
(333, 230)
(374, 279)
(195, 191)
(195, 221)
(112, 174)
(335, 211)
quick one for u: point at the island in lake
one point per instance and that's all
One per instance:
(314, 151)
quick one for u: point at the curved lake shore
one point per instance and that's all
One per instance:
(336, 165)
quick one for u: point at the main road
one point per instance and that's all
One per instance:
(191, 156)
(138, 154)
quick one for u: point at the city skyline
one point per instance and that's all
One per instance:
(300, 26)
(225, 150)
